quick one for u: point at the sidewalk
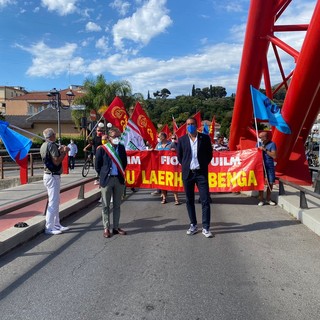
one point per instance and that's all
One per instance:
(290, 202)
(33, 215)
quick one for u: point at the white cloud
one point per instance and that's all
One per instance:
(63, 7)
(103, 44)
(4, 3)
(121, 6)
(147, 22)
(219, 63)
(92, 27)
(51, 62)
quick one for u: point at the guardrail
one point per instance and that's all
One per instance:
(43, 196)
(303, 191)
(34, 162)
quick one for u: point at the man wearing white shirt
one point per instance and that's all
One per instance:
(72, 154)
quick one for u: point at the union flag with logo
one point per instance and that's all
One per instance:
(147, 128)
(116, 114)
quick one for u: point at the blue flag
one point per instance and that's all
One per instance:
(266, 109)
(205, 129)
(16, 144)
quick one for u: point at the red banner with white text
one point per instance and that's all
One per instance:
(229, 171)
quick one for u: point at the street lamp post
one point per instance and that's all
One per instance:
(55, 102)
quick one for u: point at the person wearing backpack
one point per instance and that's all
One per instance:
(52, 156)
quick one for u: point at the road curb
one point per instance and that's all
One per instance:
(14, 237)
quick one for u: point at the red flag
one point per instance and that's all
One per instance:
(197, 116)
(174, 125)
(211, 131)
(166, 130)
(182, 130)
(117, 114)
(147, 129)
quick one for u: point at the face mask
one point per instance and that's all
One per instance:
(158, 139)
(115, 141)
(99, 134)
(191, 128)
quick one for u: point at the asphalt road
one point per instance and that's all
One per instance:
(261, 264)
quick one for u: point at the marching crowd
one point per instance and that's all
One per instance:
(194, 152)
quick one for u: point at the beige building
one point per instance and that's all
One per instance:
(7, 93)
(34, 111)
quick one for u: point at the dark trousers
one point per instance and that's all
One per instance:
(197, 178)
(71, 162)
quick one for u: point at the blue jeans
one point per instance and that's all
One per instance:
(201, 181)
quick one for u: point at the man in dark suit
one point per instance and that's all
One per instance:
(110, 163)
(194, 154)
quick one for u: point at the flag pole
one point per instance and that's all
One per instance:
(32, 134)
(254, 115)
(94, 127)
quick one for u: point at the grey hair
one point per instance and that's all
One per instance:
(47, 133)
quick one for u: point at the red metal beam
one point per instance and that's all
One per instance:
(302, 101)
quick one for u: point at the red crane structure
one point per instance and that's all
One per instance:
(302, 102)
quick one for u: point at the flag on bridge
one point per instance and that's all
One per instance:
(117, 114)
(197, 116)
(131, 137)
(145, 125)
(212, 128)
(166, 130)
(266, 109)
(182, 130)
(16, 144)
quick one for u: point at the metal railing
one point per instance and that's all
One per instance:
(303, 191)
(7, 164)
(81, 195)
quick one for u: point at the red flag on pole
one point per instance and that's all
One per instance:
(166, 130)
(182, 130)
(211, 131)
(197, 116)
(147, 129)
(117, 114)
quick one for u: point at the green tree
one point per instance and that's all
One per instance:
(99, 93)
(193, 91)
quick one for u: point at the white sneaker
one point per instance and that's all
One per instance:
(52, 231)
(261, 203)
(192, 230)
(207, 233)
(61, 228)
(271, 203)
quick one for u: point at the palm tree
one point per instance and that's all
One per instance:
(99, 94)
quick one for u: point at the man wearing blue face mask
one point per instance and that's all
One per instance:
(194, 154)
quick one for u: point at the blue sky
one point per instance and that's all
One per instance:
(153, 44)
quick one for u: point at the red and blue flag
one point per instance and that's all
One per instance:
(16, 144)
